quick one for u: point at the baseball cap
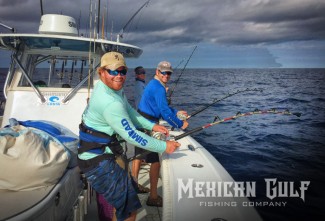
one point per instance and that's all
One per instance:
(112, 60)
(164, 66)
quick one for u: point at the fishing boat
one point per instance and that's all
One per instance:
(57, 99)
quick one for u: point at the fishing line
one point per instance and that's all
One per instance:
(220, 99)
(179, 64)
(176, 82)
(121, 33)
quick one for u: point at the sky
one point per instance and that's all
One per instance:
(227, 33)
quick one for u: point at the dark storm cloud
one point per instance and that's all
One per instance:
(5, 3)
(225, 26)
(171, 21)
(285, 20)
(233, 22)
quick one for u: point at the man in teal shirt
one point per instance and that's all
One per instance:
(107, 119)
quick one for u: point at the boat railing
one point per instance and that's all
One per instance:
(9, 76)
(37, 91)
(73, 91)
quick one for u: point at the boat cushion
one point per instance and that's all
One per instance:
(30, 158)
(59, 132)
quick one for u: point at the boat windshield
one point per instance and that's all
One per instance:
(57, 73)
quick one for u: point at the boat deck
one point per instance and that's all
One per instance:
(147, 213)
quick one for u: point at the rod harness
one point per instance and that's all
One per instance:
(217, 120)
(220, 99)
(176, 82)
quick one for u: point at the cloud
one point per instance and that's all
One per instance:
(254, 23)
(219, 22)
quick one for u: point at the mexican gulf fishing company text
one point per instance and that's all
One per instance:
(223, 191)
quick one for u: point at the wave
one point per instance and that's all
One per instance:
(319, 99)
(293, 101)
(317, 124)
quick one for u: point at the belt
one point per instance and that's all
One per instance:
(93, 132)
(149, 117)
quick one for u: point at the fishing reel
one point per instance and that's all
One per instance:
(161, 136)
(158, 135)
(181, 116)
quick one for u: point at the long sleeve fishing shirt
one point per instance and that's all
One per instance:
(154, 103)
(109, 112)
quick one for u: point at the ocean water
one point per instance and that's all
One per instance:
(259, 147)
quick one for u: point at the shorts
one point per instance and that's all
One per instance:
(151, 157)
(114, 183)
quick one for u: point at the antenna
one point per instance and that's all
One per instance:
(112, 31)
(120, 35)
(41, 2)
(79, 22)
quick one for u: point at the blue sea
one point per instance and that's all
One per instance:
(259, 147)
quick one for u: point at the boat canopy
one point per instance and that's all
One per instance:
(68, 58)
(58, 44)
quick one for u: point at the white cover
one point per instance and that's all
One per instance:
(30, 160)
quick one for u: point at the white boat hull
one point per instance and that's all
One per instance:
(194, 166)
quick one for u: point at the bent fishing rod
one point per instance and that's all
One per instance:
(220, 99)
(217, 120)
(120, 35)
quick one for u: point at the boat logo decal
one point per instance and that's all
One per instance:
(54, 99)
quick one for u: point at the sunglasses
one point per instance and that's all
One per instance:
(165, 72)
(116, 72)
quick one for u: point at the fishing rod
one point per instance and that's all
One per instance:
(216, 121)
(176, 82)
(220, 99)
(120, 35)
(41, 3)
(7, 27)
(98, 17)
